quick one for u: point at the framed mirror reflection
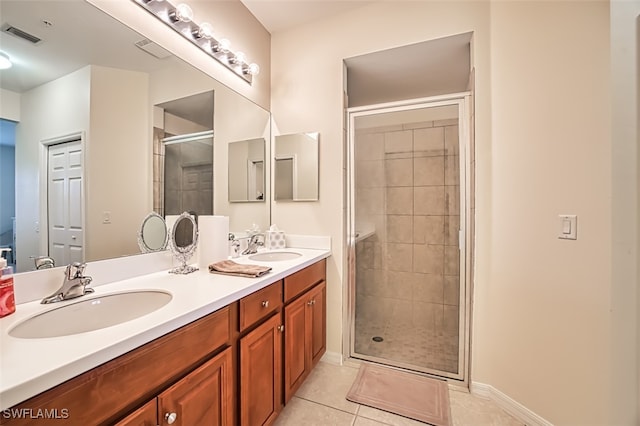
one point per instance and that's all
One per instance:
(296, 171)
(247, 171)
(111, 92)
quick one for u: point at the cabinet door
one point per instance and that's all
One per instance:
(203, 397)
(317, 332)
(143, 416)
(295, 354)
(261, 373)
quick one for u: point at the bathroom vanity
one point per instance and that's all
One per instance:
(225, 350)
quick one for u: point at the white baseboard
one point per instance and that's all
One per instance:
(509, 405)
(332, 358)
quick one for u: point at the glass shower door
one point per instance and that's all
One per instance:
(407, 218)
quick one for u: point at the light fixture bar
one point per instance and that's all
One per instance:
(180, 18)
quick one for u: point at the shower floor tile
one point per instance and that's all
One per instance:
(420, 347)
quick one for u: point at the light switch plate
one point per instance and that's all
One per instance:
(106, 218)
(568, 227)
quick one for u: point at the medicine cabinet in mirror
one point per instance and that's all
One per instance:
(296, 167)
(246, 171)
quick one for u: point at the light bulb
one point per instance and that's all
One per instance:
(253, 69)
(182, 13)
(5, 62)
(238, 58)
(205, 30)
(224, 45)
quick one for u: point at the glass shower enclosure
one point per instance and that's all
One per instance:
(407, 220)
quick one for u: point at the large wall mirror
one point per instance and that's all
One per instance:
(296, 167)
(90, 115)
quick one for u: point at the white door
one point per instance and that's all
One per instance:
(64, 203)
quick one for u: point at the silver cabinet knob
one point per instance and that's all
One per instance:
(311, 302)
(170, 417)
(281, 328)
(265, 303)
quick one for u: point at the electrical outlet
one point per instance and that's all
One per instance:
(106, 218)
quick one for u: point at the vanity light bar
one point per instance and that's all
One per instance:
(180, 18)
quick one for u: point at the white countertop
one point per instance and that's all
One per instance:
(30, 366)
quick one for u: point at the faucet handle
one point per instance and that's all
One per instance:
(79, 269)
(75, 270)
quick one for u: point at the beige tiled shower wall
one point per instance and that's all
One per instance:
(408, 190)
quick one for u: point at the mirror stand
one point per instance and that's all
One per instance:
(183, 242)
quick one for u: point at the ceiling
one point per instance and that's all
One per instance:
(277, 15)
(68, 44)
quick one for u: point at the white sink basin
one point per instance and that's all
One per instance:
(91, 314)
(274, 256)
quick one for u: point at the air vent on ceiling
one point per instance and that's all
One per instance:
(17, 32)
(152, 49)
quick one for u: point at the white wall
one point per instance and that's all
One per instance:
(625, 30)
(55, 109)
(542, 327)
(118, 161)
(10, 105)
(548, 300)
(307, 96)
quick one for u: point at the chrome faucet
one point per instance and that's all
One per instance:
(43, 262)
(74, 284)
(254, 242)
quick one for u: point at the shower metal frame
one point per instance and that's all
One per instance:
(462, 100)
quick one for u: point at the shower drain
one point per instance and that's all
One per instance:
(377, 339)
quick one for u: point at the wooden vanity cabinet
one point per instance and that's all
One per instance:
(202, 397)
(111, 391)
(261, 373)
(304, 325)
(236, 366)
(147, 415)
(260, 380)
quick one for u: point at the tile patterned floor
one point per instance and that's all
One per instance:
(410, 345)
(321, 401)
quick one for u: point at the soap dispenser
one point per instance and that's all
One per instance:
(7, 298)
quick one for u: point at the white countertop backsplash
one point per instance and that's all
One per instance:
(30, 366)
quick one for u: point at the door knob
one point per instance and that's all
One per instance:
(170, 417)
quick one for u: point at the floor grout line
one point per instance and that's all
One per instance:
(327, 406)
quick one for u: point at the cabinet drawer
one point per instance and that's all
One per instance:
(299, 282)
(259, 304)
